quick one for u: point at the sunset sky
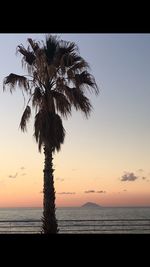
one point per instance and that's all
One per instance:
(105, 159)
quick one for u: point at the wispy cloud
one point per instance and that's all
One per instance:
(18, 173)
(66, 193)
(101, 192)
(13, 176)
(89, 191)
(94, 191)
(129, 176)
(22, 168)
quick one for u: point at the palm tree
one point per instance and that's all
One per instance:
(57, 80)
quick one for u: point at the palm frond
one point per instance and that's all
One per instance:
(59, 131)
(60, 84)
(33, 44)
(80, 65)
(29, 56)
(25, 118)
(86, 79)
(40, 66)
(13, 80)
(50, 48)
(48, 130)
(62, 104)
(77, 68)
(69, 93)
(66, 60)
(66, 47)
(52, 70)
(79, 100)
(37, 97)
(72, 59)
(48, 102)
(65, 53)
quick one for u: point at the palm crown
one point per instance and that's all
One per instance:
(57, 80)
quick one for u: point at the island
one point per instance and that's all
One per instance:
(90, 205)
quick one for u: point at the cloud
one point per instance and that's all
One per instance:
(93, 191)
(129, 176)
(132, 176)
(74, 170)
(66, 193)
(125, 190)
(89, 191)
(23, 174)
(101, 191)
(13, 176)
(22, 168)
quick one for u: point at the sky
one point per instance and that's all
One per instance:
(104, 159)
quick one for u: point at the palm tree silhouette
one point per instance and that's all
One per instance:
(57, 80)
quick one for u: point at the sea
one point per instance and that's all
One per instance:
(78, 220)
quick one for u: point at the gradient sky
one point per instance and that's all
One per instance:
(105, 159)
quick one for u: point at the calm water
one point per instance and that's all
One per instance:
(84, 214)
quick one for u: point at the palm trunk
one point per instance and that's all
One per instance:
(49, 218)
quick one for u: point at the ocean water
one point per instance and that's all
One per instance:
(79, 220)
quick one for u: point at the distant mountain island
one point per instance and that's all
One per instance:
(90, 205)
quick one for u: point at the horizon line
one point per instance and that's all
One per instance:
(38, 207)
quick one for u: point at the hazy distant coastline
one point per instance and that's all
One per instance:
(90, 205)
